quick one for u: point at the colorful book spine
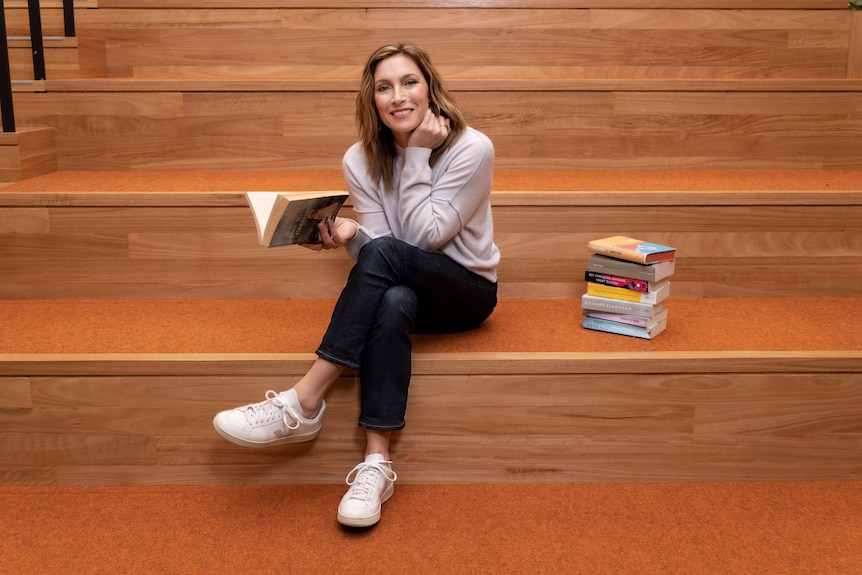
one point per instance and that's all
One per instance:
(653, 297)
(648, 332)
(649, 272)
(597, 303)
(660, 315)
(617, 281)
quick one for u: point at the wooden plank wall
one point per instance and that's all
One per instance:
(493, 428)
(737, 245)
(619, 128)
(560, 42)
(556, 85)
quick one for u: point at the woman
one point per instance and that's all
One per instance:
(420, 182)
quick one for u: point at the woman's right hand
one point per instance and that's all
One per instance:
(334, 233)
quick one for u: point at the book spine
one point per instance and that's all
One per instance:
(620, 318)
(611, 266)
(617, 306)
(621, 293)
(633, 284)
(614, 327)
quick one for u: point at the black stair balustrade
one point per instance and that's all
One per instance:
(68, 18)
(6, 108)
(36, 41)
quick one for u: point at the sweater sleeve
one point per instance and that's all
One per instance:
(374, 222)
(430, 212)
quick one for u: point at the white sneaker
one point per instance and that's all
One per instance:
(272, 422)
(371, 485)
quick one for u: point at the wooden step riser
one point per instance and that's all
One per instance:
(132, 130)
(624, 427)
(118, 252)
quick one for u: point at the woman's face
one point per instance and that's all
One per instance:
(401, 95)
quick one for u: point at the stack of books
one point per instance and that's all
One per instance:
(627, 281)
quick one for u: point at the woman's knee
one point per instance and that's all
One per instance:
(399, 300)
(383, 247)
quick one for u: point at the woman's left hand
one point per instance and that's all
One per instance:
(431, 132)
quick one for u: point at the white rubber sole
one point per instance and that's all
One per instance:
(258, 444)
(371, 519)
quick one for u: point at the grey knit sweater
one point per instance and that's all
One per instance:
(446, 209)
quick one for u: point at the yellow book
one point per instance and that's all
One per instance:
(657, 295)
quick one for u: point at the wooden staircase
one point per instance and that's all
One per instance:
(677, 85)
(616, 414)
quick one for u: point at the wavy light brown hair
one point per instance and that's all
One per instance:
(376, 138)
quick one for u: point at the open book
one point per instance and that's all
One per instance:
(285, 218)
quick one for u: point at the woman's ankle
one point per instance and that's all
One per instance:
(310, 404)
(377, 442)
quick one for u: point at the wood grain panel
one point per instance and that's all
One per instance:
(207, 393)
(682, 218)
(575, 460)
(28, 152)
(782, 418)
(448, 363)
(35, 449)
(614, 130)
(634, 427)
(617, 4)
(664, 43)
(15, 393)
(740, 103)
(24, 221)
(854, 51)
(724, 251)
(28, 476)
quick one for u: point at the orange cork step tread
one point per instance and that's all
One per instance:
(296, 326)
(504, 180)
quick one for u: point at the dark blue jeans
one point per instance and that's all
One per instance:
(394, 290)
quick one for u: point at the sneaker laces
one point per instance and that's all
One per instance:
(270, 410)
(363, 479)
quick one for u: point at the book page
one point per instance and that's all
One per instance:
(261, 204)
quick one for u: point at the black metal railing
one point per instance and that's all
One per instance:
(68, 19)
(38, 49)
(36, 41)
(6, 109)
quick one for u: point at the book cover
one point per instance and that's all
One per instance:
(613, 266)
(597, 303)
(658, 295)
(618, 281)
(286, 218)
(631, 249)
(647, 332)
(660, 315)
